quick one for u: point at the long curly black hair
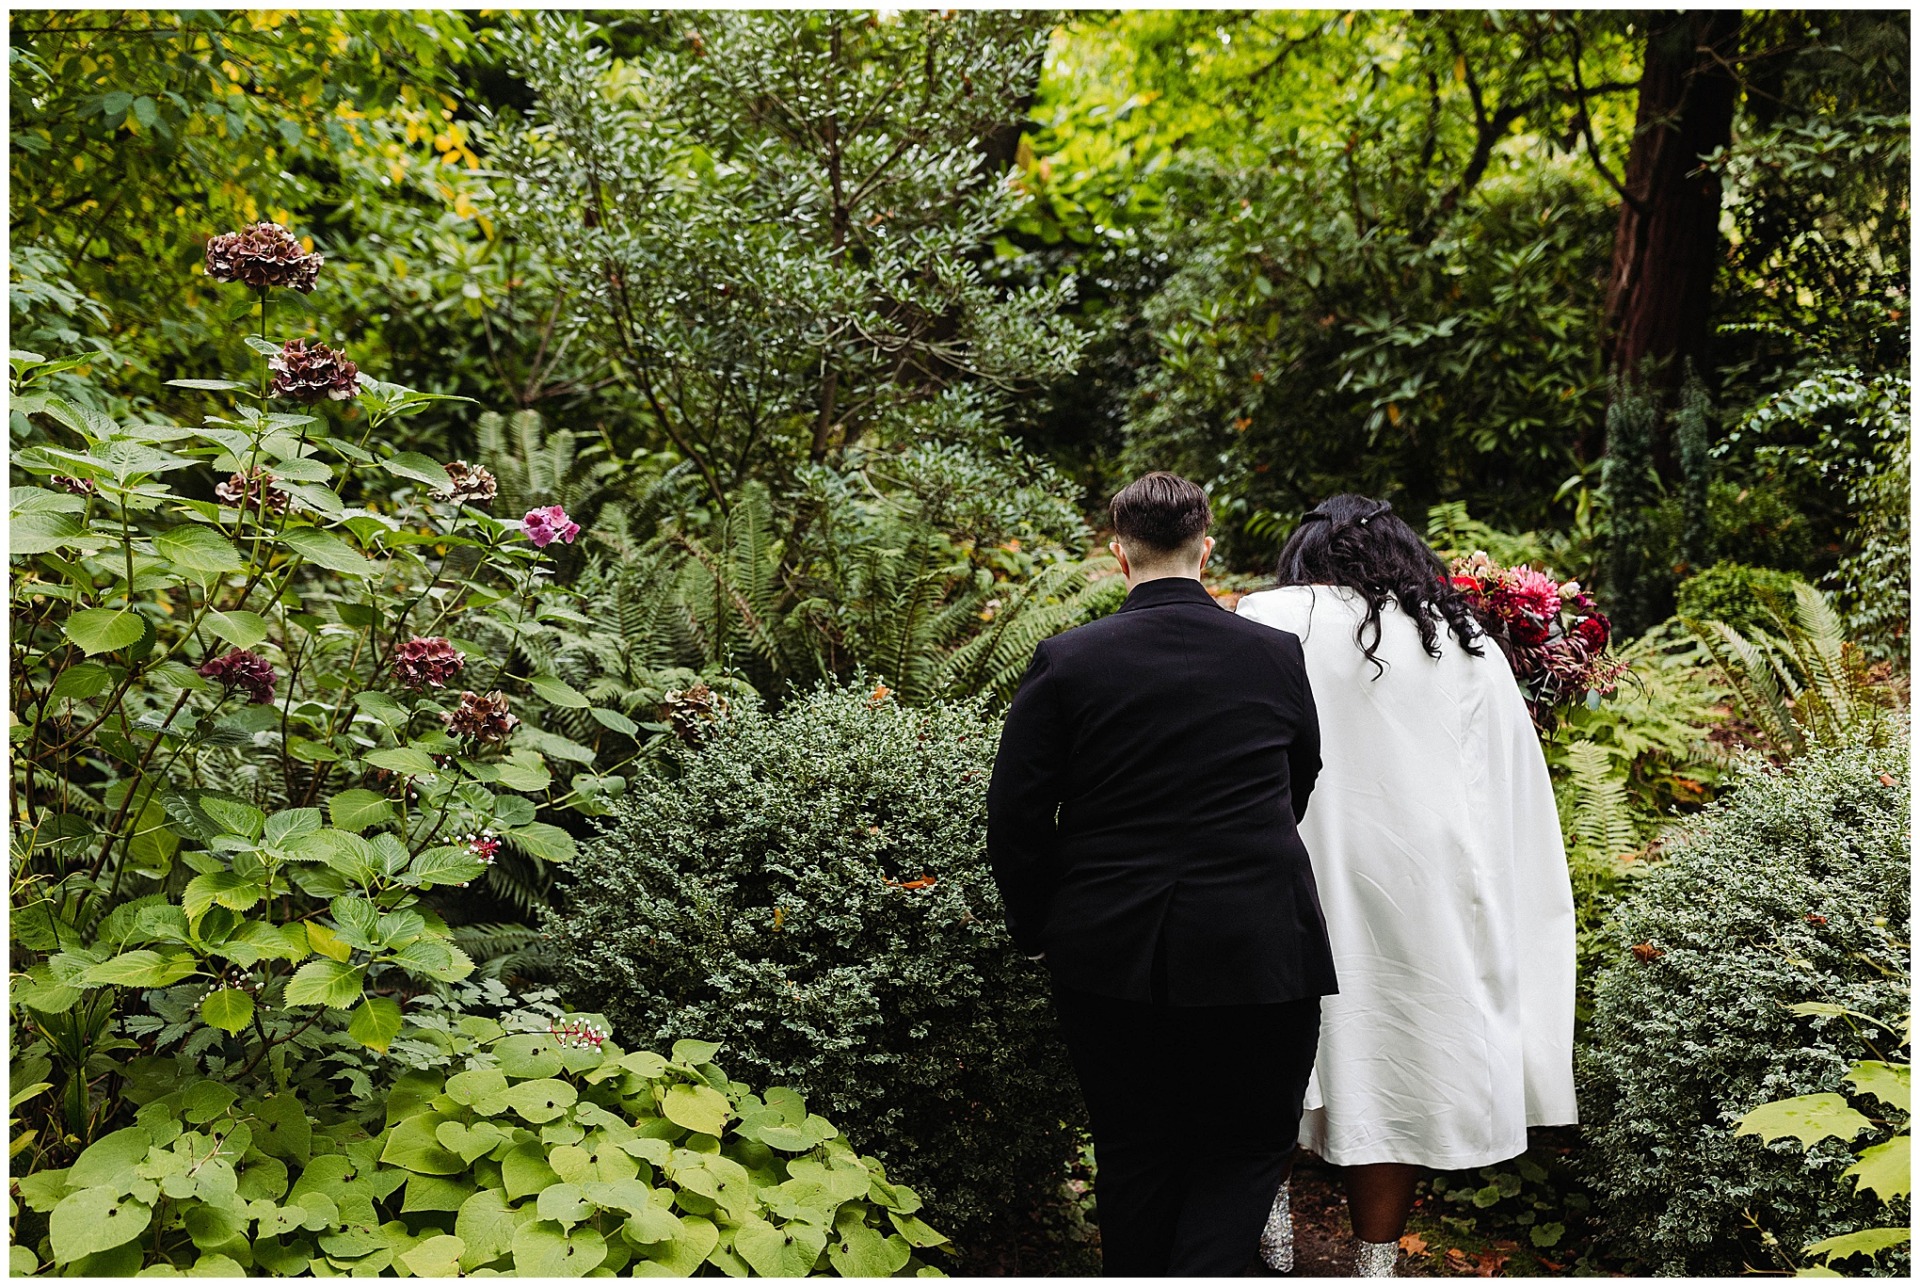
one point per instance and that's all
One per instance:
(1360, 543)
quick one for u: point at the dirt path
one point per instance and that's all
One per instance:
(1321, 1236)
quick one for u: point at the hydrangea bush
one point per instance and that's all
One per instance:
(263, 699)
(1792, 888)
(812, 888)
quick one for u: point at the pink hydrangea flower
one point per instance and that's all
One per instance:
(544, 526)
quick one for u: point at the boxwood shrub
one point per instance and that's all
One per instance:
(1792, 888)
(811, 889)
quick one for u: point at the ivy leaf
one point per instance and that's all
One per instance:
(98, 630)
(197, 549)
(541, 1100)
(229, 1009)
(375, 1024)
(779, 1253)
(413, 1146)
(108, 1162)
(857, 1251)
(1807, 1118)
(326, 982)
(485, 1224)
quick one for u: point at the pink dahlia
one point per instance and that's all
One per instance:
(1536, 592)
(545, 526)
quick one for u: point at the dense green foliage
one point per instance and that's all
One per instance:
(533, 1145)
(1792, 888)
(811, 888)
(834, 331)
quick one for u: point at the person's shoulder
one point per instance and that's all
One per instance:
(1285, 608)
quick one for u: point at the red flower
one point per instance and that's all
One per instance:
(1526, 631)
(1593, 632)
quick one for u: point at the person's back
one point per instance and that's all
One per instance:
(1190, 750)
(1142, 825)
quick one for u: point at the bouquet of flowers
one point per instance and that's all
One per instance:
(1552, 634)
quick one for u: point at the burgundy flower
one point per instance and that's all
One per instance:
(78, 486)
(468, 484)
(544, 526)
(253, 489)
(313, 374)
(263, 255)
(247, 671)
(423, 663)
(1526, 631)
(481, 719)
(485, 846)
(1593, 632)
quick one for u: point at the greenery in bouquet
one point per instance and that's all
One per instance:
(1552, 634)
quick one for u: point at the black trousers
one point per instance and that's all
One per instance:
(1196, 1112)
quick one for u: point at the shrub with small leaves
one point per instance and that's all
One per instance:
(812, 888)
(1792, 886)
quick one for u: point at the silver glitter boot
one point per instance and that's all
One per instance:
(1276, 1240)
(1375, 1259)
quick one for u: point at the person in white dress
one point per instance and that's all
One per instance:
(1442, 874)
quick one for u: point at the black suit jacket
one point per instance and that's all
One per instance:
(1142, 817)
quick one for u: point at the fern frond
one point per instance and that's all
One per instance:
(1602, 819)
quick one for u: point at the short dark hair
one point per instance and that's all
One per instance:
(1161, 513)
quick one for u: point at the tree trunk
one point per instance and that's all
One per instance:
(1666, 248)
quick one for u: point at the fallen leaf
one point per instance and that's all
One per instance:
(1413, 1244)
(1646, 951)
(1886, 779)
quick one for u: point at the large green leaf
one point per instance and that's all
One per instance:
(485, 1224)
(376, 1023)
(445, 865)
(1891, 1084)
(1807, 1118)
(94, 1220)
(437, 1257)
(541, 1100)
(542, 1249)
(413, 1146)
(410, 760)
(197, 549)
(222, 887)
(326, 550)
(545, 841)
(229, 1009)
(358, 809)
(241, 629)
(698, 1108)
(776, 1252)
(141, 968)
(40, 532)
(109, 1161)
(559, 692)
(856, 1251)
(1861, 1242)
(98, 630)
(1885, 1170)
(334, 984)
(420, 468)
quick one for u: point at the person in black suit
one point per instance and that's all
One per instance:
(1141, 825)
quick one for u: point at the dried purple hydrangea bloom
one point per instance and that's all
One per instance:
(427, 663)
(468, 484)
(253, 490)
(313, 374)
(481, 719)
(248, 672)
(263, 255)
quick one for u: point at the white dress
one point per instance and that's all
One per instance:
(1443, 876)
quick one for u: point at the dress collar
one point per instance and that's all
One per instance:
(1167, 589)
